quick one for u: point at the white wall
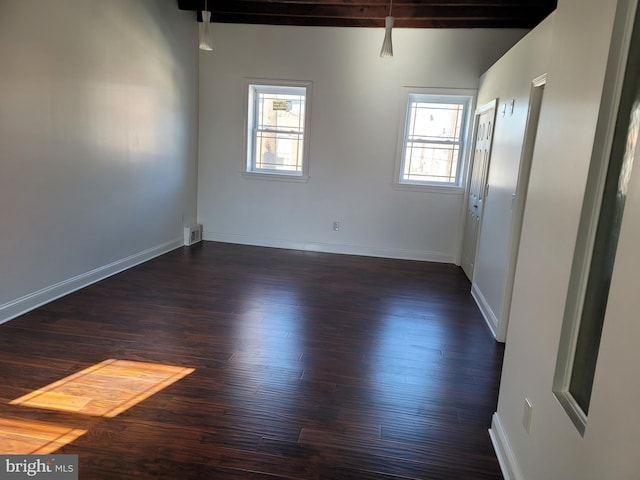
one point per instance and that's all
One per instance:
(98, 140)
(554, 449)
(508, 79)
(354, 126)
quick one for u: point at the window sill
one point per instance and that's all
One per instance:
(278, 177)
(442, 189)
(573, 410)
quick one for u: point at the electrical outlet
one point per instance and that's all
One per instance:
(526, 416)
(336, 226)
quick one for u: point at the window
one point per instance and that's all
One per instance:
(277, 129)
(433, 140)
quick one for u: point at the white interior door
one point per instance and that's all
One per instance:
(485, 119)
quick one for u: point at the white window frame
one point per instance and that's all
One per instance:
(434, 95)
(251, 88)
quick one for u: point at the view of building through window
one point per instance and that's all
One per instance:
(433, 141)
(279, 131)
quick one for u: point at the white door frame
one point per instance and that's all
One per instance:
(520, 199)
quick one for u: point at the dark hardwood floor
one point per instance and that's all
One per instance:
(306, 366)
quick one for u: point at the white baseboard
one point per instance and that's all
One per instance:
(36, 299)
(485, 309)
(506, 458)
(366, 251)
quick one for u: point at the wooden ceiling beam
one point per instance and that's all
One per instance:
(216, 4)
(371, 13)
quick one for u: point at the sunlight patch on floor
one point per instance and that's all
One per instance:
(105, 389)
(24, 437)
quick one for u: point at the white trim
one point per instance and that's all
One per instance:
(445, 94)
(442, 189)
(247, 161)
(275, 177)
(22, 305)
(485, 108)
(485, 310)
(519, 198)
(504, 452)
(339, 248)
(539, 80)
(624, 27)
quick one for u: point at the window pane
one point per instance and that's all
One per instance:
(278, 151)
(433, 121)
(279, 132)
(429, 162)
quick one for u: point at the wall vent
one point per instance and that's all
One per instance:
(192, 234)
